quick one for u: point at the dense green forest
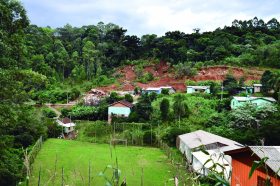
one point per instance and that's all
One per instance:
(38, 63)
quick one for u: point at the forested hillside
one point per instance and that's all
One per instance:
(88, 51)
(46, 64)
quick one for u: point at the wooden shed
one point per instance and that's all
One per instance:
(242, 161)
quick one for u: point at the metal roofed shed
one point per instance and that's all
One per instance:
(190, 145)
(272, 153)
(243, 159)
(197, 138)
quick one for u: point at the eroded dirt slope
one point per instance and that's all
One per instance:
(164, 76)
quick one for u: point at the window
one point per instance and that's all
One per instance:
(261, 182)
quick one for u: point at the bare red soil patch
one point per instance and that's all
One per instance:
(164, 76)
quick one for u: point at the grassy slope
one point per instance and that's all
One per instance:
(74, 156)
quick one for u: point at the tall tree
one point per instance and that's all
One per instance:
(89, 54)
(164, 109)
(180, 107)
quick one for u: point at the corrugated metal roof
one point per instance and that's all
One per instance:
(273, 154)
(69, 124)
(199, 87)
(200, 137)
(159, 88)
(153, 88)
(249, 98)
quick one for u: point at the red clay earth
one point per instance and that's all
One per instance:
(165, 77)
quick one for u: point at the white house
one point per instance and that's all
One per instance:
(190, 145)
(197, 89)
(158, 90)
(67, 124)
(257, 87)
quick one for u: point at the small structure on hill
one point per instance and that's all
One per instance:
(257, 101)
(68, 128)
(247, 89)
(94, 97)
(119, 109)
(190, 145)
(242, 161)
(257, 88)
(198, 89)
(158, 90)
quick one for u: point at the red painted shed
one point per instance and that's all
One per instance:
(242, 161)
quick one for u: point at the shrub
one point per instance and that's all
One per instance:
(84, 112)
(54, 130)
(65, 112)
(165, 91)
(98, 128)
(49, 113)
(148, 76)
(128, 98)
(171, 134)
(149, 137)
(184, 69)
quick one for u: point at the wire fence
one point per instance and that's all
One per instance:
(29, 158)
(182, 175)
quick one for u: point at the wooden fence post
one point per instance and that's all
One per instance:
(89, 174)
(62, 177)
(39, 179)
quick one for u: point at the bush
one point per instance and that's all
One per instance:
(98, 129)
(65, 112)
(171, 134)
(165, 91)
(84, 112)
(128, 98)
(184, 69)
(49, 113)
(148, 76)
(149, 137)
(54, 130)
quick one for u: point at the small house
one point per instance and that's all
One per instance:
(149, 90)
(198, 89)
(258, 101)
(257, 88)
(119, 109)
(158, 90)
(247, 90)
(68, 128)
(242, 161)
(190, 145)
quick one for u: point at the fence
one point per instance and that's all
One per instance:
(29, 158)
(179, 163)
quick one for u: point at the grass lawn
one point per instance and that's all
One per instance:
(74, 157)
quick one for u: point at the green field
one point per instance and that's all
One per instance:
(74, 157)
